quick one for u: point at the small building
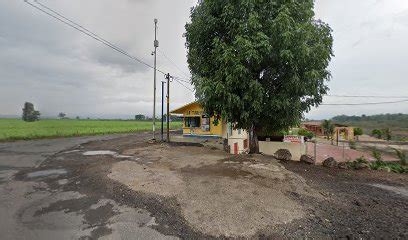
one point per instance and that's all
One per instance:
(236, 141)
(341, 132)
(314, 127)
(197, 124)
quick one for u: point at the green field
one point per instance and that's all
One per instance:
(15, 129)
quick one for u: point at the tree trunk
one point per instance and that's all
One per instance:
(253, 141)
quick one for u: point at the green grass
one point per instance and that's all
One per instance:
(15, 129)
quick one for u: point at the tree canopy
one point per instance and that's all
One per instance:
(258, 63)
(29, 113)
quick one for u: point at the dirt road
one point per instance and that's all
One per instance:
(121, 187)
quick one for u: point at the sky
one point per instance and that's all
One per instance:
(61, 70)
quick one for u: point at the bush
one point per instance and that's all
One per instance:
(362, 163)
(306, 133)
(352, 145)
(389, 167)
(358, 132)
(359, 163)
(376, 154)
(377, 133)
(402, 156)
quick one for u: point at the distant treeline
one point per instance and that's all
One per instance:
(400, 119)
(394, 124)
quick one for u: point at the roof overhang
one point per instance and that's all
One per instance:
(182, 109)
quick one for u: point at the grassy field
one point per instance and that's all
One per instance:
(15, 129)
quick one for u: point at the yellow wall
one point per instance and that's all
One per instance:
(195, 110)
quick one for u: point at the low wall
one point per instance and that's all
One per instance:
(296, 149)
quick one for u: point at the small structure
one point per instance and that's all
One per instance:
(197, 124)
(236, 141)
(314, 127)
(341, 132)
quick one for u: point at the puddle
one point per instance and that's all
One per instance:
(105, 152)
(47, 173)
(72, 151)
(95, 153)
(62, 181)
(398, 190)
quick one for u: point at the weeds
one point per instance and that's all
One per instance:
(402, 156)
(352, 145)
(376, 154)
(389, 167)
(362, 163)
(359, 163)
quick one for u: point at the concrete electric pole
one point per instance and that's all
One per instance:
(156, 45)
(168, 106)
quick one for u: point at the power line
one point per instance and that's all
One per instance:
(362, 96)
(362, 104)
(173, 63)
(87, 32)
(183, 85)
(61, 18)
(183, 80)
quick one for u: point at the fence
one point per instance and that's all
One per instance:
(344, 151)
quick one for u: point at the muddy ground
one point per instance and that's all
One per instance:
(141, 190)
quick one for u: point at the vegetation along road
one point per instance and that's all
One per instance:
(15, 129)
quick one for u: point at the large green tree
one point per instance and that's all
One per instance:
(29, 113)
(258, 63)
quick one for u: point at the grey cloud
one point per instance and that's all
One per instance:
(60, 69)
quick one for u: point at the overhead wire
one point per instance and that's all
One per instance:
(183, 85)
(172, 62)
(362, 96)
(69, 22)
(361, 104)
(60, 17)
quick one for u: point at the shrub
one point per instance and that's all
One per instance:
(358, 132)
(306, 133)
(377, 133)
(352, 145)
(362, 163)
(376, 154)
(359, 163)
(389, 167)
(402, 156)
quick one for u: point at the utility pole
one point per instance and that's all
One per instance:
(156, 45)
(162, 112)
(168, 106)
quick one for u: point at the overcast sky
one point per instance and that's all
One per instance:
(61, 70)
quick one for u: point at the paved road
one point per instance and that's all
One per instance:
(28, 202)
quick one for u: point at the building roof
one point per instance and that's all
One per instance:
(312, 123)
(319, 123)
(183, 108)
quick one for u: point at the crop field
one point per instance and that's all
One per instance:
(16, 129)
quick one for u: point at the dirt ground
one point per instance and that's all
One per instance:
(127, 188)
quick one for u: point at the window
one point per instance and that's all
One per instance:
(192, 122)
(205, 124)
(239, 131)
